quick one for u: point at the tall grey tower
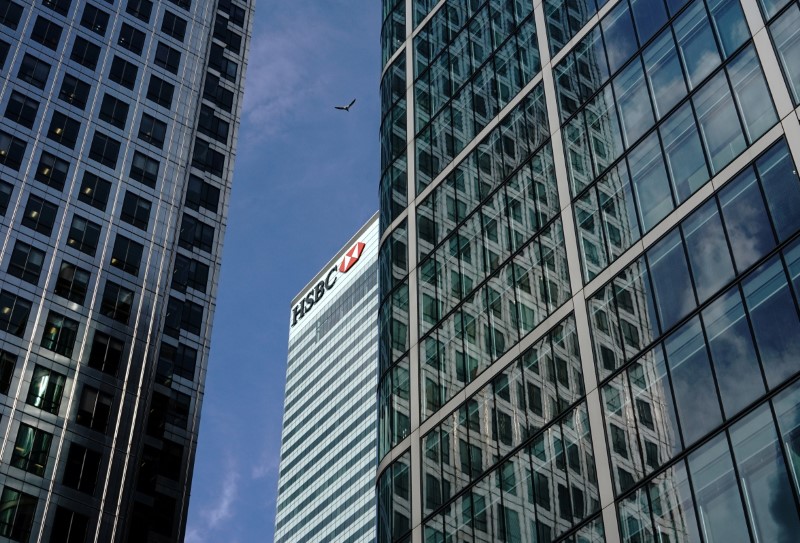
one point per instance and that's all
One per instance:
(117, 137)
(596, 299)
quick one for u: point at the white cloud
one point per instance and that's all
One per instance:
(222, 510)
(268, 466)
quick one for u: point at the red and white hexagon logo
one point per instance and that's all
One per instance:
(351, 256)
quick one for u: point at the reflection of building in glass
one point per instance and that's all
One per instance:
(596, 235)
(326, 482)
(117, 137)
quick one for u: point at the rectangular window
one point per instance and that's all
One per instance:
(72, 283)
(160, 92)
(39, 215)
(82, 468)
(140, 9)
(106, 353)
(7, 362)
(185, 4)
(46, 389)
(17, 509)
(114, 111)
(21, 109)
(84, 235)
(180, 361)
(31, 450)
(144, 169)
(52, 171)
(207, 159)
(189, 273)
(123, 72)
(5, 47)
(135, 210)
(217, 61)
(231, 39)
(94, 409)
(131, 38)
(117, 302)
(74, 91)
(94, 191)
(127, 255)
(201, 194)
(14, 313)
(94, 19)
(69, 526)
(59, 6)
(213, 126)
(184, 315)
(152, 131)
(214, 92)
(12, 150)
(59, 334)
(104, 150)
(33, 71)
(85, 53)
(64, 130)
(174, 26)
(5, 196)
(167, 57)
(46, 32)
(196, 234)
(10, 14)
(26, 262)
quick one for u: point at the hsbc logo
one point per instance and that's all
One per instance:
(316, 293)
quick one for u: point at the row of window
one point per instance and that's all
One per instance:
(18, 509)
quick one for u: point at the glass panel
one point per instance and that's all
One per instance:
(633, 101)
(772, 7)
(672, 284)
(697, 44)
(650, 182)
(752, 95)
(717, 494)
(729, 23)
(710, 259)
(786, 35)
(604, 133)
(634, 518)
(719, 123)
(672, 501)
(684, 152)
(735, 361)
(692, 382)
(634, 297)
(650, 15)
(619, 212)
(619, 35)
(664, 73)
(787, 410)
(781, 188)
(775, 322)
(746, 220)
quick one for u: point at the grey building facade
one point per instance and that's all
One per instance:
(328, 445)
(589, 230)
(119, 121)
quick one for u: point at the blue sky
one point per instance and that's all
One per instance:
(306, 179)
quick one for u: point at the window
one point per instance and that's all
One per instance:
(46, 32)
(94, 191)
(74, 91)
(231, 39)
(82, 468)
(64, 130)
(69, 526)
(144, 169)
(72, 282)
(5, 196)
(180, 361)
(94, 409)
(183, 315)
(213, 126)
(174, 26)
(185, 4)
(152, 130)
(11, 150)
(104, 150)
(163, 410)
(17, 509)
(196, 234)
(31, 449)
(201, 194)
(59, 6)
(106, 353)
(123, 72)
(26, 262)
(207, 159)
(21, 109)
(217, 94)
(235, 12)
(135, 210)
(39, 215)
(189, 273)
(94, 19)
(46, 389)
(127, 255)
(5, 47)
(167, 57)
(84, 235)
(226, 67)
(52, 171)
(114, 111)
(131, 38)
(33, 71)
(160, 92)
(117, 302)
(140, 9)
(7, 362)
(59, 334)
(10, 13)
(14, 313)
(85, 53)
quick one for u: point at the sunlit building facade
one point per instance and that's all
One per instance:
(118, 123)
(328, 447)
(590, 271)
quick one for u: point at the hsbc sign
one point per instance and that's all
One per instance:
(319, 290)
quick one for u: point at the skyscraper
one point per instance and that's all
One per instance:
(328, 446)
(598, 304)
(119, 121)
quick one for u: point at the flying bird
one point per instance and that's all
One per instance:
(347, 107)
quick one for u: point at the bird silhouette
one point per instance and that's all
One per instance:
(347, 107)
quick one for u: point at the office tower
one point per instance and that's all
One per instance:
(326, 486)
(119, 120)
(597, 309)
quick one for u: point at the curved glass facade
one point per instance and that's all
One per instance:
(589, 231)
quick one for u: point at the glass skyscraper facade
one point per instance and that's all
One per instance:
(326, 488)
(118, 120)
(590, 271)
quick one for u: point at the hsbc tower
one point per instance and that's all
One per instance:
(328, 443)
